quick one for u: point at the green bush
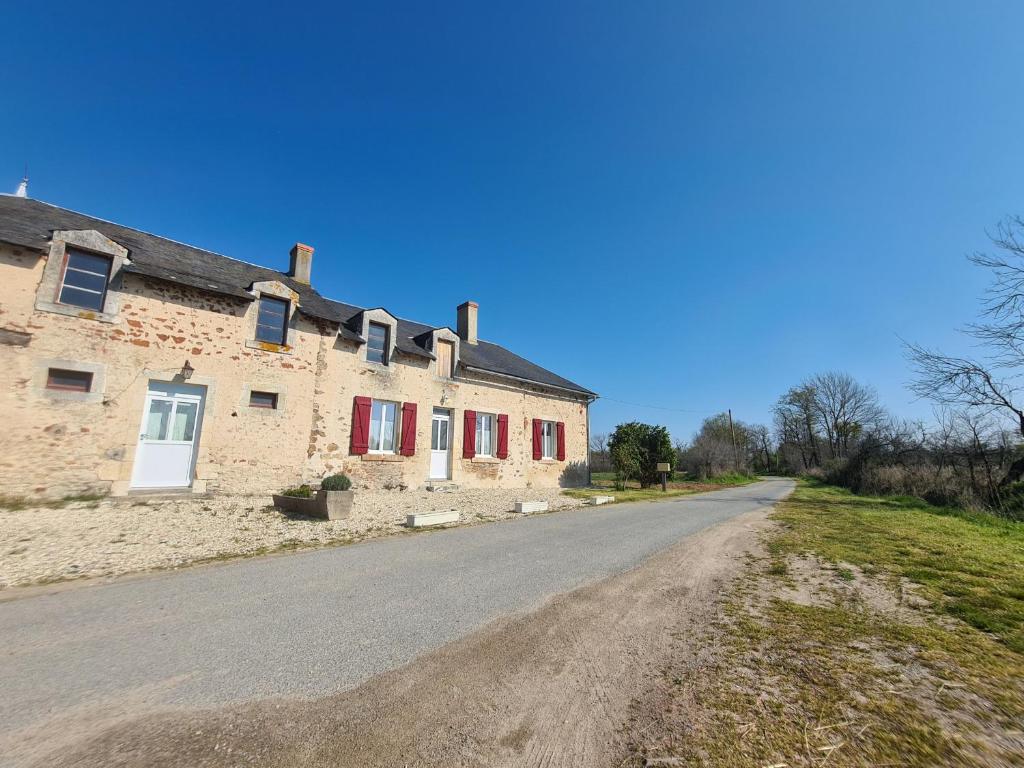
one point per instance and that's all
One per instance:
(636, 451)
(302, 492)
(338, 482)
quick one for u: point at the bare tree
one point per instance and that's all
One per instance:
(846, 409)
(989, 384)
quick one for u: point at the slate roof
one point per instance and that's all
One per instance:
(29, 223)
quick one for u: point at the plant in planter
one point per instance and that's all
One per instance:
(332, 502)
(336, 496)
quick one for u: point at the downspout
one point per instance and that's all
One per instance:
(590, 479)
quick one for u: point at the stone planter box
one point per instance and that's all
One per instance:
(423, 519)
(528, 507)
(326, 505)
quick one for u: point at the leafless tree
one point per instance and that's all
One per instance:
(846, 409)
(989, 384)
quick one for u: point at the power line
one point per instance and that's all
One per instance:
(655, 407)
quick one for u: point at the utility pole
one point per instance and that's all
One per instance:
(735, 456)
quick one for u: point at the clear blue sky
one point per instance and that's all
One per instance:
(678, 204)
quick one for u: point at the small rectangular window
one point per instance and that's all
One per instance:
(548, 440)
(272, 320)
(68, 381)
(383, 430)
(263, 400)
(445, 355)
(484, 434)
(377, 344)
(85, 280)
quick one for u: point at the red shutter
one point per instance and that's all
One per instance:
(408, 429)
(560, 436)
(469, 435)
(502, 436)
(360, 425)
(538, 438)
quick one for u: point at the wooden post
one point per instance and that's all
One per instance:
(735, 457)
(664, 468)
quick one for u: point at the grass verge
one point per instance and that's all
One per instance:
(603, 484)
(874, 632)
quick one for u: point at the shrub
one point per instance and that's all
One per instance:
(340, 482)
(637, 449)
(302, 492)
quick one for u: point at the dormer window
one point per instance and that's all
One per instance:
(445, 357)
(272, 320)
(85, 280)
(377, 343)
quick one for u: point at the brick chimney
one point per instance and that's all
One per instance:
(302, 262)
(467, 321)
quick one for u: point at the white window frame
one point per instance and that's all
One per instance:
(548, 430)
(492, 435)
(396, 439)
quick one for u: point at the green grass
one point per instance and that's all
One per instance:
(653, 493)
(969, 565)
(835, 680)
(603, 484)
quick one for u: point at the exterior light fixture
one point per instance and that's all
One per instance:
(187, 370)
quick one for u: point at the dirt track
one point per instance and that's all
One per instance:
(551, 688)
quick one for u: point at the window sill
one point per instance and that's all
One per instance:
(71, 311)
(382, 457)
(548, 461)
(485, 460)
(268, 346)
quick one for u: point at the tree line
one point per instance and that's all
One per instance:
(832, 426)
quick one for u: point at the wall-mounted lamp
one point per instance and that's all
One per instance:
(187, 370)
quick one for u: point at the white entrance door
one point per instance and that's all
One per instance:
(440, 444)
(171, 419)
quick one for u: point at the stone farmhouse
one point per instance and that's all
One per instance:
(134, 363)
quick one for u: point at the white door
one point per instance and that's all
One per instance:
(440, 444)
(171, 419)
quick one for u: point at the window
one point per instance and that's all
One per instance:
(382, 427)
(484, 434)
(85, 280)
(272, 320)
(548, 440)
(263, 400)
(171, 421)
(377, 346)
(445, 355)
(68, 381)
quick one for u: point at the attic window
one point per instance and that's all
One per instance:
(85, 279)
(377, 344)
(272, 320)
(445, 356)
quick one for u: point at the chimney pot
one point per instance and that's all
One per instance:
(301, 263)
(466, 328)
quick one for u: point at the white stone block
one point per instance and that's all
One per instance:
(423, 519)
(595, 500)
(528, 507)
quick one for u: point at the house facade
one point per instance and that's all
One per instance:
(133, 363)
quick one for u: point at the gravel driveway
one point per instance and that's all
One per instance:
(309, 624)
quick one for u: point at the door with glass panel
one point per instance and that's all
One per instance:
(440, 444)
(169, 436)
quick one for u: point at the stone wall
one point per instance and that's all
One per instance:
(68, 443)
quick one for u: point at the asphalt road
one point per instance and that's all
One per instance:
(316, 622)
